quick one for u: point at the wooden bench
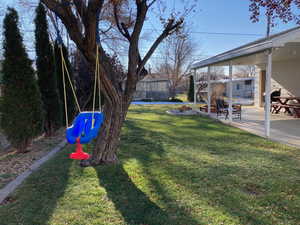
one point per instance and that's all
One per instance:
(296, 109)
(204, 108)
(276, 107)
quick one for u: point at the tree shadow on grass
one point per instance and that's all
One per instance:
(232, 189)
(135, 205)
(35, 201)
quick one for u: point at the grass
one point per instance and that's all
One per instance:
(173, 171)
(182, 97)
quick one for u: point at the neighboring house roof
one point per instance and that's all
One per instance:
(260, 45)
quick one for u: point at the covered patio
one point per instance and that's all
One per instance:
(277, 60)
(283, 128)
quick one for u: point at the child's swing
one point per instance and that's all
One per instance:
(86, 125)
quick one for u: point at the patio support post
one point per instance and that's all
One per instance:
(268, 95)
(208, 91)
(195, 87)
(230, 92)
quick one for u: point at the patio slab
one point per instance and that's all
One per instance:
(284, 128)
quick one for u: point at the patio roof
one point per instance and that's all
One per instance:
(274, 41)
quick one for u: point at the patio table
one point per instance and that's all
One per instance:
(283, 102)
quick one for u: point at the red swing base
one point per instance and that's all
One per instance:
(79, 154)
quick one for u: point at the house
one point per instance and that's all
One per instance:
(241, 87)
(277, 61)
(153, 87)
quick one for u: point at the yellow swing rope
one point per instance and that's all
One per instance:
(65, 93)
(99, 90)
(65, 69)
(96, 80)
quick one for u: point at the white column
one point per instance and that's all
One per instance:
(208, 91)
(230, 92)
(195, 87)
(268, 95)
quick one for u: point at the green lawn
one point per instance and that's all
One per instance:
(173, 170)
(182, 97)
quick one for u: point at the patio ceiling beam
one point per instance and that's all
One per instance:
(233, 54)
(268, 94)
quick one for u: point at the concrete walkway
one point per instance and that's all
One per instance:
(12, 186)
(284, 128)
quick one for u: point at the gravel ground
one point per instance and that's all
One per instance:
(12, 163)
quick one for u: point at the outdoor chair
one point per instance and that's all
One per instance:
(275, 94)
(223, 109)
(275, 101)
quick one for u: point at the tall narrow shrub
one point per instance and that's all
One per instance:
(58, 67)
(46, 73)
(191, 90)
(22, 114)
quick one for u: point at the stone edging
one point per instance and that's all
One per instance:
(12, 186)
(186, 113)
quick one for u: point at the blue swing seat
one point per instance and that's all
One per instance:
(82, 127)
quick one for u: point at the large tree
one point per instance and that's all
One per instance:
(285, 10)
(46, 73)
(81, 21)
(21, 107)
(84, 78)
(177, 57)
(245, 71)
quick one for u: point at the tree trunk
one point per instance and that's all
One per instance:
(107, 141)
(172, 92)
(23, 147)
(49, 128)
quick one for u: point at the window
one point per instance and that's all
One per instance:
(237, 86)
(248, 82)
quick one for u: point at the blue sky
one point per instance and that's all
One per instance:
(212, 16)
(224, 16)
(230, 16)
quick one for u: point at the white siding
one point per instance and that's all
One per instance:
(286, 75)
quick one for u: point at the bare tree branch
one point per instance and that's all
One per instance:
(171, 26)
(120, 27)
(81, 9)
(67, 17)
(151, 3)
